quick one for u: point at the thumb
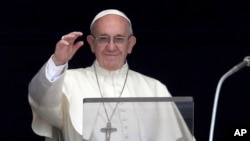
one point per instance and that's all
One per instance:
(77, 45)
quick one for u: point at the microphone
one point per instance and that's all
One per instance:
(241, 65)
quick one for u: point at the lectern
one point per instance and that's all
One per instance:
(138, 119)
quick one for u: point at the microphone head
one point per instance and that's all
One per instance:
(247, 60)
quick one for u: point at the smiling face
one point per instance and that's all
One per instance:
(112, 55)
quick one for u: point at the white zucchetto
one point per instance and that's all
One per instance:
(107, 12)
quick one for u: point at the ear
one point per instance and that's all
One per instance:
(90, 40)
(132, 41)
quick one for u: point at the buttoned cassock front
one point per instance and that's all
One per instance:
(65, 121)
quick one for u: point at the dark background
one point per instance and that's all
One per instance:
(187, 45)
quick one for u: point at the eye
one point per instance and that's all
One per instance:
(103, 39)
(119, 39)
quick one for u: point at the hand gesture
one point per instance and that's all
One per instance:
(66, 48)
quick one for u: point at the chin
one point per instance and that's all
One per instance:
(112, 65)
(112, 62)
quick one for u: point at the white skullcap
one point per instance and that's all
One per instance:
(107, 12)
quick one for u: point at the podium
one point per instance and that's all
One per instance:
(138, 119)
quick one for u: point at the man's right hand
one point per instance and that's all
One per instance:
(66, 48)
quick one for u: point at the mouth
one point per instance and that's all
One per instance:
(110, 54)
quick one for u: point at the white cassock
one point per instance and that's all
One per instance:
(66, 121)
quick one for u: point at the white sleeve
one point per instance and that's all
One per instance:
(53, 72)
(45, 98)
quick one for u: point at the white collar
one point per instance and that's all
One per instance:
(101, 71)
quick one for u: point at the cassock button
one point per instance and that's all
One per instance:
(126, 136)
(123, 110)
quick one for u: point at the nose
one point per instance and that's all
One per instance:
(111, 45)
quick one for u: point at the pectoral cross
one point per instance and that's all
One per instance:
(108, 130)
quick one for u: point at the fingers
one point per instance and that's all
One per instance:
(75, 33)
(71, 37)
(77, 45)
(69, 40)
(67, 47)
(63, 42)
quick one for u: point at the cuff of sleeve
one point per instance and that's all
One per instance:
(53, 72)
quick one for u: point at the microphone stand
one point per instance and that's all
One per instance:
(236, 68)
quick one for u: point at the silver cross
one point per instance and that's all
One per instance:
(108, 130)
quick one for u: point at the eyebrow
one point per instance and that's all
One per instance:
(118, 35)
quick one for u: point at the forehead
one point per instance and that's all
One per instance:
(111, 23)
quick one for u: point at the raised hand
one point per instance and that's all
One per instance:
(66, 48)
